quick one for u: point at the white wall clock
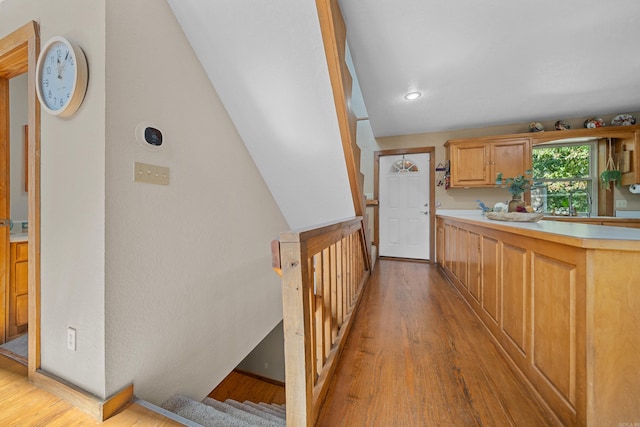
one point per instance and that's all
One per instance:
(61, 77)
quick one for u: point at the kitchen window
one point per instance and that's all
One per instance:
(565, 177)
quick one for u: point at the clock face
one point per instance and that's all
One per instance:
(61, 77)
(58, 76)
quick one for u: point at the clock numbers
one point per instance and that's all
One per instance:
(61, 77)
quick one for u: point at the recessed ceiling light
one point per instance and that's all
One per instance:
(412, 95)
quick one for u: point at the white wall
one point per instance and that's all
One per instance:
(267, 359)
(267, 62)
(72, 199)
(19, 117)
(168, 287)
(190, 290)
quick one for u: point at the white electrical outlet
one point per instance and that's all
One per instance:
(71, 339)
(151, 174)
(621, 203)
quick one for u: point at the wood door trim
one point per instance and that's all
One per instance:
(18, 54)
(432, 191)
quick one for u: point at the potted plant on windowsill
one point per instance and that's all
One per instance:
(516, 186)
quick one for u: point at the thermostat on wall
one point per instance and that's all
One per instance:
(149, 136)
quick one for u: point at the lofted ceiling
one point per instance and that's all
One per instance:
(492, 62)
(476, 63)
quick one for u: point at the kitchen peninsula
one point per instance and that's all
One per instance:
(562, 300)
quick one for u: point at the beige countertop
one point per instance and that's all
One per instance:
(19, 237)
(575, 234)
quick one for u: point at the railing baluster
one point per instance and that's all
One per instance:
(326, 291)
(334, 294)
(339, 283)
(318, 308)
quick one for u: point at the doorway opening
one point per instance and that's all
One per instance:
(405, 216)
(20, 311)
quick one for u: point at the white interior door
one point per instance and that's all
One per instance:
(404, 206)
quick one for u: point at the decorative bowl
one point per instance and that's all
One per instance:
(594, 122)
(536, 127)
(515, 216)
(623, 120)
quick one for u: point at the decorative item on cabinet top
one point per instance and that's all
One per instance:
(593, 122)
(562, 125)
(623, 120)
(536, 127)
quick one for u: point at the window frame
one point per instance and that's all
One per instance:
(593, 176)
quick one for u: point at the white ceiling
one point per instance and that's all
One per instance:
(492, 62)
(478, 63)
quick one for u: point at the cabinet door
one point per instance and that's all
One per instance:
(515, 284)
(474, 267)
(440, 243)
(511, 157)
(491, 281)
(18, 298)
(463, 256)
(451, 237)
(469, 164)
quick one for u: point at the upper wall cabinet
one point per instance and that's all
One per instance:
(476, 162)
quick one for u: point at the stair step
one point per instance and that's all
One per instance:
(200, 413)
(245, 413)
(278, 408)
(265, 407)
(213, 413)
(262, 412)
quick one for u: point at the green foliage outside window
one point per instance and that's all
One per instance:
(560, 172)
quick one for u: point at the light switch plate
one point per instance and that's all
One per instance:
(621, 203)
(151, 174)
(71, 338)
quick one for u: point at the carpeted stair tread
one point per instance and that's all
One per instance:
(202, 414)
(259, 411)
(243, 413)
(267, 407)
(274, 415)
(275, 406)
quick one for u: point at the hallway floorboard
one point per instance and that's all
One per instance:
(418, 356)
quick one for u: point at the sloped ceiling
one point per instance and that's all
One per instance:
(476, 63)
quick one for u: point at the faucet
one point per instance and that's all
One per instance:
(572, 209)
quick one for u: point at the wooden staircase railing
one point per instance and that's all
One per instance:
(324, 270)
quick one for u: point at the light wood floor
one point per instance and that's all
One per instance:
(241, 387)
(24, 405)
(417, 356)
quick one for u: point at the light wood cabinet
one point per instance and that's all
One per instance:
(573, 336)
(476, 162)
(18, 295)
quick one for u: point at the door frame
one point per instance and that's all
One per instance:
(432, 192)
(18, 55)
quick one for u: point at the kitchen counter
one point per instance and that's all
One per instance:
(19, 237)
(565, 232)
(562, 301)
